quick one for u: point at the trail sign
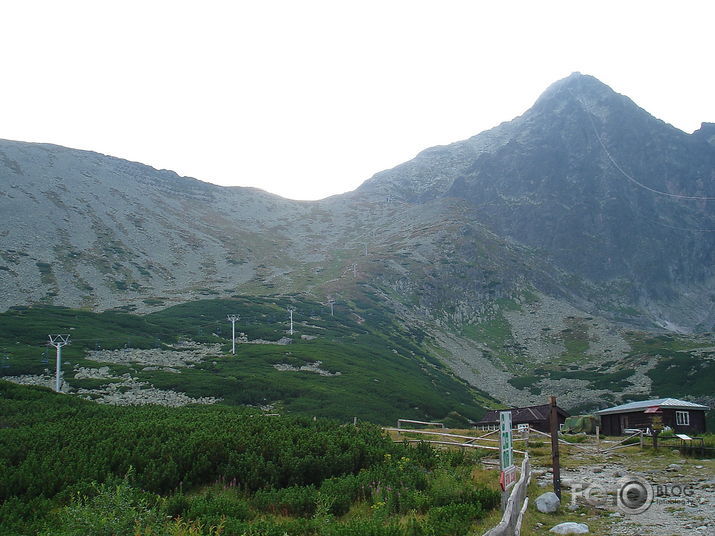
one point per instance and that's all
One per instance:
(506, 451)
(507, 477)
(505, 444)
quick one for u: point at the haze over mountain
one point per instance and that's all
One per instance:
(583, 215)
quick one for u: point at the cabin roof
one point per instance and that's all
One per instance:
(663, 403)
(522, 415)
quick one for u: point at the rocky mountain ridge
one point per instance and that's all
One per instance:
(599, 186)
(541, 242)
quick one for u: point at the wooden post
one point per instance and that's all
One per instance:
(555, 465)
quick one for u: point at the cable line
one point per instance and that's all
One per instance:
(626, 175)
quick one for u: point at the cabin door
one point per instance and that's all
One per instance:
(624, 422)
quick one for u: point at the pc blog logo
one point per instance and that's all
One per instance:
(634, 495)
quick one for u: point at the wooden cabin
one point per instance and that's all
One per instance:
(538, 417)
(682, 416)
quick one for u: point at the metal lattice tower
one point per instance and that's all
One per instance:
(233, 319)
(290, 310)
(58, 341)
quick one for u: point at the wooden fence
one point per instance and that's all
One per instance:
(510, 524)
(516, 504)
(454, 440)
(426, 423)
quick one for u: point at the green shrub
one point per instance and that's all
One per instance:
(455, 486)
(576, 438)
(176, 505)
(362, 527)
(115, 508)
(293, 527)
(453, 519)
(344, 490)
(293, 500)
(213, 506)
(19, 517)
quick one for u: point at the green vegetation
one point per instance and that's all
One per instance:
(495, 332)
(575, 339)
(529, 297)
(385, 372)
(686, 369)
(685, 376)
(614, 381)
(526, 382)
(665, 344)
(72, 467)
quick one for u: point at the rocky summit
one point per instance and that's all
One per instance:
(619, 199)
(538, 257)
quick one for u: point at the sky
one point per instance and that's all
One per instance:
(307, 99)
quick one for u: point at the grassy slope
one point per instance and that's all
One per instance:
(385, 373)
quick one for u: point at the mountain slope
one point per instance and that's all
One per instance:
(598, 185)
(345, 365)
(524, 257)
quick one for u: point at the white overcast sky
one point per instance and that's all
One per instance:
(309, 98)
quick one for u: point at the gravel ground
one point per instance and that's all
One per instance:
(683, 491)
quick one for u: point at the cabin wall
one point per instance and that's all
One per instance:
(696, 425)
(615, 423)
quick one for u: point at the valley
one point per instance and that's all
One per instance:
(563, 253)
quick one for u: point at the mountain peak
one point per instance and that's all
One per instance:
(583, 87)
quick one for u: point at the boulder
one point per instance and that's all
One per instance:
(674, 467)
(570, 528)
(548, 502)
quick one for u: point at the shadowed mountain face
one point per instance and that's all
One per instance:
(594, 182)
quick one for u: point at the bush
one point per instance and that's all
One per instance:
(345, 490)
(116, 508)
(453, 519)
(294, 527)
(362, 527)
(449, 487)
(176, 505)
(213, 506)
(577, 438)
(294, 500)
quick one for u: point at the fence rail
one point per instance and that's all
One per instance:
(510, 524)
(437, 424)
(467, 441)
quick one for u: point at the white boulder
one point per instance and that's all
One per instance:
(570, 528)
(548, 502)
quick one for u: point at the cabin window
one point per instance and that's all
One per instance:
(682, 418)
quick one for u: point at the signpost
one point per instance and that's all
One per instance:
(506, 455)
(555, 464)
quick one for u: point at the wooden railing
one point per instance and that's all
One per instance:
(510, 524)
